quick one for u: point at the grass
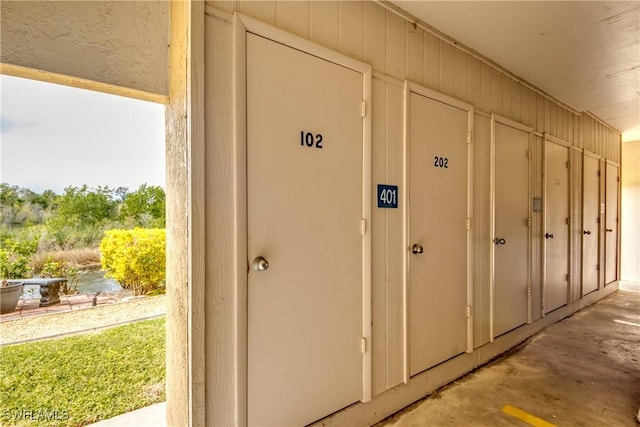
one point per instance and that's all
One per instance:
(82, 379)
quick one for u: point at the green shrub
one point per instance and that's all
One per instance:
(14, 265)
(53, 268)
(135, 258)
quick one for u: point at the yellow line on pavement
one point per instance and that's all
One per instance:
(527, 418)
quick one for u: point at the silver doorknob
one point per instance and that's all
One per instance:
(260, 264)
(417, 249)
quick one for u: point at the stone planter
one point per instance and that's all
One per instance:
(9, 296)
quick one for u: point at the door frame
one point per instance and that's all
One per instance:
(409, 88)
(567, 145)
(243, 25)
(618, 221)
(495, 118)
(587, 153)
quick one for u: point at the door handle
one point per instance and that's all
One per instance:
(417, 249)
(260, 264)
(586, 232)
(548, 236)
(499, 241)
(609, 230)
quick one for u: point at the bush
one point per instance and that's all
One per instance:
(14, 265)
(53, 268)
(135, 258)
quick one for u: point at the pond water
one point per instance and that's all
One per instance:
(90, 282)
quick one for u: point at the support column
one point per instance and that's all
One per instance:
(185, 216)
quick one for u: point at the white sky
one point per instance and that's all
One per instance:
(54, 136)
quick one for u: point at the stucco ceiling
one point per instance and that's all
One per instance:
(585, 53)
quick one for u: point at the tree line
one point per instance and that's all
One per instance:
(78, 217)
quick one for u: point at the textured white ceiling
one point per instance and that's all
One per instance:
(585, 53)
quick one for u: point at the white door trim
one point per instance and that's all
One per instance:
(242, 25)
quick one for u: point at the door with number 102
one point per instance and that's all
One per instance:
(304, 237)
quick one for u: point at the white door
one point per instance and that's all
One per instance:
(305, 240)
(556, 232)
(511, 235)
(611, 223)
(590, 223)
(438, 172)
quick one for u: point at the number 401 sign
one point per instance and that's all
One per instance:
(387, 196)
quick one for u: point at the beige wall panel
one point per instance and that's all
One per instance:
(293, 16)
(395, 238)
(265, 11)
(481, 230)
(447, 68)
(540, 113)
(396, 44)
(387, 235)
(119, 43)
(575, 226)
(507, 110)
(630, 237)
(496, 94)
(537, 225)
(431, 61)
(415, 54)
(486, 88)
(375, 42)
(516, 106)
(577, 132)
(352, 29)
(462, 76)
(379, 239)
(525, 116)
(552, 127)
(475, 82)
(221, 345)
(226, 6)
(324, 23)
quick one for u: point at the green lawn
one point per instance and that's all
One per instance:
(82, 379)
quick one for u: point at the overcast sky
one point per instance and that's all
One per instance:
(55, 136)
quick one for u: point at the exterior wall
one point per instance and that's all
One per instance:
(630, 263)
(397, 50)
(119, 43)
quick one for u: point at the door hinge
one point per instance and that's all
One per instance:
(363, 227)
(248, 268)
(468, 312)
(468, 223)
(598, 173)
(529, 153)
(364, 108)
(568, 167)
(529, 222)
(618, 179)
(598, 267)
(528, 291)
(566, 220)
(566, 277)
(364, 345)
(598, 220)
(469, 137)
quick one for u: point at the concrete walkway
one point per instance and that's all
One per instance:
(582, 371)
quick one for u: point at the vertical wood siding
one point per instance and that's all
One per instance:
(399, 50)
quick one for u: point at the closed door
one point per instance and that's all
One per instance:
(438, 166)
(511, 235)
(590, 223)
(556, 231)
(305, 240)
(611, 224)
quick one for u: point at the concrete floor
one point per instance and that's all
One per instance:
(582, 371)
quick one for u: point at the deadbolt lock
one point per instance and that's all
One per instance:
(548, 236)
(417, 249)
